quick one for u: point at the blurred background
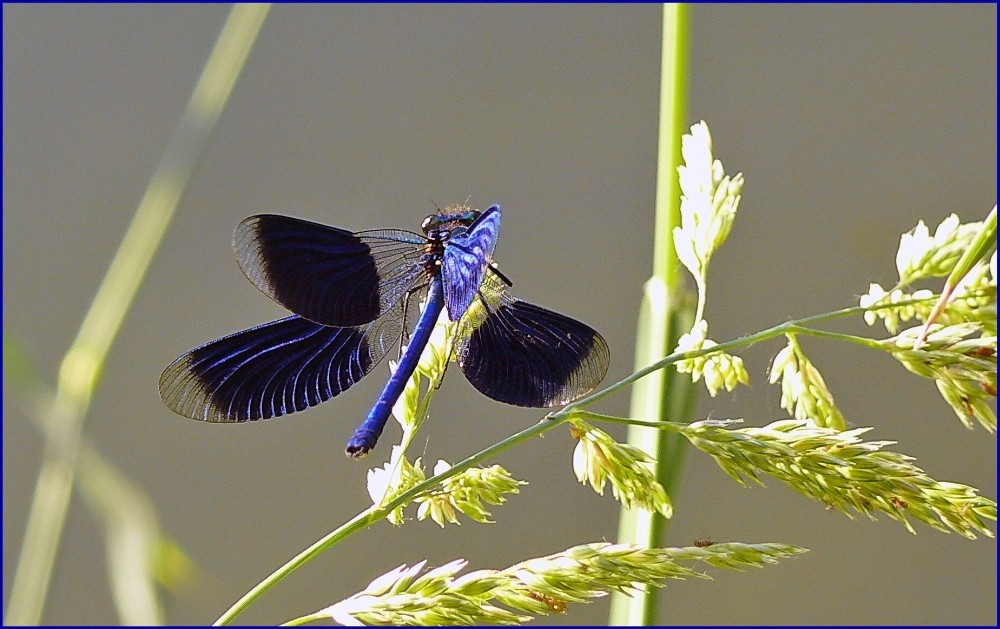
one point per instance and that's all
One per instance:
(850, 124)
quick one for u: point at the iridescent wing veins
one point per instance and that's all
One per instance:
(522, 354)
(466, 257)
(280, 367)
(327, 275)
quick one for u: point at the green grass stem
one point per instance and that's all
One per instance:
(662, 316)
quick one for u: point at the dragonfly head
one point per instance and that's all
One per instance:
(449, 222)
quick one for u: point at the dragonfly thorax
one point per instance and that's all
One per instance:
(433, 251)
(439, 228)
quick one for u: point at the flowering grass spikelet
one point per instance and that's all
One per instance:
(956, 250)
(920, 255)
(720, 370)
(436, 354)
(432, 364)
(963, 366)
(803, 390)
(466, 493)
(972, 301)
(844, 472)
(395, 477)
(405, 408)
(709, 200)
(877, 296)
(599, 459)
(539, 586)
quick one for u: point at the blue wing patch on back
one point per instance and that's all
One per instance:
(466, 257)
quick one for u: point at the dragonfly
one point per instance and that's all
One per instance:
(350, 294)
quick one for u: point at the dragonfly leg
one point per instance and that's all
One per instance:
(492, 268)
(404, 335)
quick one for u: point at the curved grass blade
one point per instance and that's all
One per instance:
(81, 366)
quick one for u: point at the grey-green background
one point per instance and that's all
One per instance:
(850, 123)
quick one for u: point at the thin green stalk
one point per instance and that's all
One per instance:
(850, 338)
(552, 420)
(664, 395)
(629, 421)
(81, 366)
(743, 341)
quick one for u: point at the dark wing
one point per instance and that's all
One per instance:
(280, 367)
(523, 354)
(328, 275)
(466, 256)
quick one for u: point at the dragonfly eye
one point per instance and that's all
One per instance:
(431, 222)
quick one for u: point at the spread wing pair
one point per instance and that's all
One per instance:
(349, 292)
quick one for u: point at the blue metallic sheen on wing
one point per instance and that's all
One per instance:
(281, 367)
